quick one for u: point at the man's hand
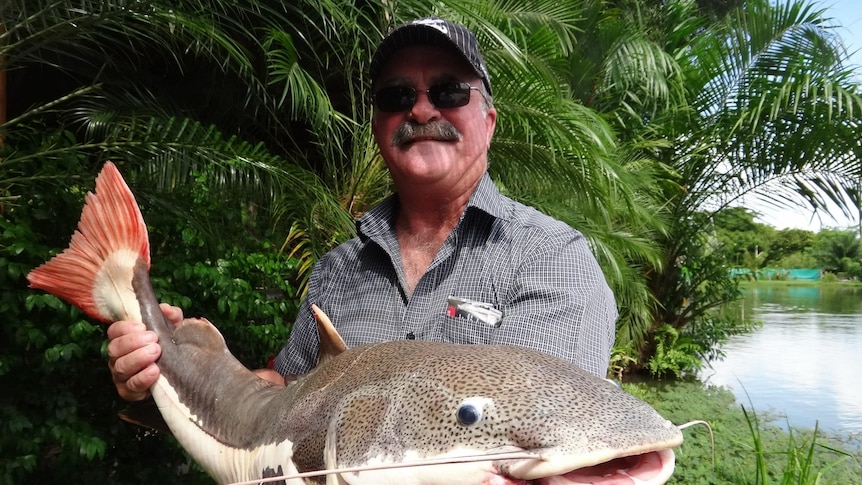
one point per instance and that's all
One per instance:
(132, 354)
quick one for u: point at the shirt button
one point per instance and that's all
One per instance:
(411, 336)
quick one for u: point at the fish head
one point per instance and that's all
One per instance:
(438, 401)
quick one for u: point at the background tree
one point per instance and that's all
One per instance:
(838, 251)
(788, 243)
(761, 96)
(745, 242)
(218, 115)
(741, 237)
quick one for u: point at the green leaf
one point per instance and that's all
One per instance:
(52, 354)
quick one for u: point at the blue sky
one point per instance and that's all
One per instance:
(847, 16)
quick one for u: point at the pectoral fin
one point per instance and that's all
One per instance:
(146, 415)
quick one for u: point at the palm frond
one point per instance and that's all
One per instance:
(777, 104)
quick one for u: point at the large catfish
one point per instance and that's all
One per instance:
(366, 415)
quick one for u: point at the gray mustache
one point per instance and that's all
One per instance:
(438, 130)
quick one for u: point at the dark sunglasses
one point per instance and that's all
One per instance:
(396, 99)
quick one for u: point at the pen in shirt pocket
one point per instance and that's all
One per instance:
(484, 312)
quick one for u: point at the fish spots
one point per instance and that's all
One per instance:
(406, 401)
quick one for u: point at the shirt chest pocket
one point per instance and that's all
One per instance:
(466, 330)
(475, 308)
(469, 321)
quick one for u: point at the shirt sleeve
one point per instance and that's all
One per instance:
(299, 356)
(559, 303)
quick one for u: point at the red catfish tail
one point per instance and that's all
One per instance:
(94, 273)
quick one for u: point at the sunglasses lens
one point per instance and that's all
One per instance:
(395, 99)
(450, 95)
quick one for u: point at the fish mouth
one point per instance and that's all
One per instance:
(649, 468)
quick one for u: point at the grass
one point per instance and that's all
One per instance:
(749, 448)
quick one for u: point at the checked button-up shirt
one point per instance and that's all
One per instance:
(527, 280)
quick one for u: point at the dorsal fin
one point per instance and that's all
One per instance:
(331, 343)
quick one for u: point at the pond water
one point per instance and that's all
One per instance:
(805, 362)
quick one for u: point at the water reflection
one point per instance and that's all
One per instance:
(793, 299)
(805, 361)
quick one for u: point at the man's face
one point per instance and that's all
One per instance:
(427, 144)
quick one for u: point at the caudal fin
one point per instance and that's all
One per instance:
(94, 273)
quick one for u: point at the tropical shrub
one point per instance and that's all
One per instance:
(837, 250)
(59, 418)
(797, 260)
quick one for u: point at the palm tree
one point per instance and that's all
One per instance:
(166, 89)
(218, 114)
(838, 251)
(553, 151)
(758, 99)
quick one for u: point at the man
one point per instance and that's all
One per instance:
(447, 258)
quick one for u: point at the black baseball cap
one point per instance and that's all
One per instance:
(432, 31)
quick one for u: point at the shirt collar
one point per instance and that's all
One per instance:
(488, 199)
(380, 218)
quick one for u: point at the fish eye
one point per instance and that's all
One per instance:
(469, 414)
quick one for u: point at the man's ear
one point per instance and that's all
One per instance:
(490, 124)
